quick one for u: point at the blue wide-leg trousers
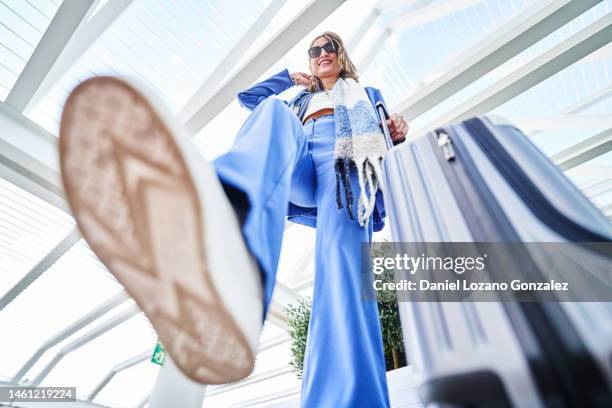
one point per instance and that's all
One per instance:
(276, 160)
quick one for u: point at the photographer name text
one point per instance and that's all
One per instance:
(465, 285)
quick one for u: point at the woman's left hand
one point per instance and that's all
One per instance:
(398, 128)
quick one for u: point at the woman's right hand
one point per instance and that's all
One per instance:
(301, 78)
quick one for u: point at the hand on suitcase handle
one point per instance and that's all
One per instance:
(398, 128)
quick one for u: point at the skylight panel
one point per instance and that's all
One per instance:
(22, 24)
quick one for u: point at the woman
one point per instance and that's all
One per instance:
(197, 244)
(344, 362)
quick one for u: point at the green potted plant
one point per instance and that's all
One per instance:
(395, 355)
(298, 316)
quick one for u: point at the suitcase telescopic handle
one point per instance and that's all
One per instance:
(382, 115)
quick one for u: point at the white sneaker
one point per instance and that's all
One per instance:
(155, 213)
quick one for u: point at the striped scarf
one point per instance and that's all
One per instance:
(360, 144)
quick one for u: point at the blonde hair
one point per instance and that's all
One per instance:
(347, 68)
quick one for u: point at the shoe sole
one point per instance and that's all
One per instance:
(136, 204)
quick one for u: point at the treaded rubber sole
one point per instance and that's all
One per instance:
(135, 202)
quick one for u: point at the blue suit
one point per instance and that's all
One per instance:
(277, 169)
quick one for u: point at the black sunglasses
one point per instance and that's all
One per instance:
(315, 52)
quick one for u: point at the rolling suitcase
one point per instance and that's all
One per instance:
(484, 181)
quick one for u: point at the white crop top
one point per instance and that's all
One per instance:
(319, 101)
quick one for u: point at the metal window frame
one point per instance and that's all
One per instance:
(253, 379)
(600, 187)
(61, 29)
(45, 262)
(88, 318)
(307, 19)
(215, 78)
(84, 339)
(583, 104)
(561, 121)
(69, 35)
(417, 16)
(562, 55)
(124, 365)
(508, 40)
(584, 151)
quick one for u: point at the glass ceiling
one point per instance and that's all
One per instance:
(29, 229)
(173, 47)
(169, 45)
(22, 24)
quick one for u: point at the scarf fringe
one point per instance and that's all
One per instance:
(369, 175)
(343, 170)
(363, 198)
(369, 183)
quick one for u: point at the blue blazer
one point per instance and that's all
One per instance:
(279, 83)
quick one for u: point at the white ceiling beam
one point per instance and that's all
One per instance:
(590, 170)
(124, 365)
(607, 210)
(417, 13)
(585, 103)
(584, 151)
(253, 379)
(92, 10)
(277, 316)
(80, 341)
(284, 296)
(363, 28)
(424, 15)
(85, 320)
(68, 37)
(61, 29)
(604, 53)
(564, 54)
(370, 19)
(41, 266)
(304, 284)
(372, 52)
(525, 29)
(294, 31)
(589, 101)
(270, 400)
(273, 342)
(597, 57)
(598, 188)
(590, 183)
(28, 157)
(211, 83)
(528, 125)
